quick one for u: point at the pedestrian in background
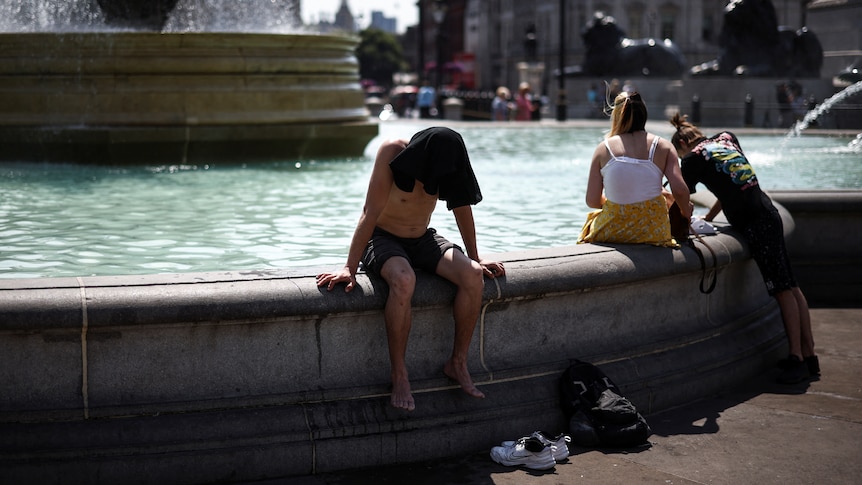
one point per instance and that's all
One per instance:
(425, 100)
(524, 103)
(500, 105)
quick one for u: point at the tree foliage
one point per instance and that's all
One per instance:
(379, 55)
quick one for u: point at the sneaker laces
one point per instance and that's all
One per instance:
(558, 445)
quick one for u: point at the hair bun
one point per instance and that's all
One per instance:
(679, 121)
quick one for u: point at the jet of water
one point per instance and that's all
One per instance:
(260, 16)
(824, 107)
(50, 16)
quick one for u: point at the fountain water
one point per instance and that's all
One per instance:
(276, 16)
(50, 16)
(60, 220)
(273, 16)
(77, 85)
(824, 107)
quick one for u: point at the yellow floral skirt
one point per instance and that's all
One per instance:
(639, 223)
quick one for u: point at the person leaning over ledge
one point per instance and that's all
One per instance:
(719, 163)
(392, 238)
(625, 181)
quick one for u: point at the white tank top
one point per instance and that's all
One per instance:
(628, 180)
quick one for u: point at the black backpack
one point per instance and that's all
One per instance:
(597, 412)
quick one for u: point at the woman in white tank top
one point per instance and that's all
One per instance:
(625, 181)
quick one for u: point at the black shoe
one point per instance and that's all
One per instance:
(785, 363)
(811, 361)
(795, 372)
(813, 364)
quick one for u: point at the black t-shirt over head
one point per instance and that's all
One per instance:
(438, 158)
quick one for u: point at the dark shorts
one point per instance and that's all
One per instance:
(765, 237)
(423, 252)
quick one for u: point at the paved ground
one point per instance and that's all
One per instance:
(761, 433)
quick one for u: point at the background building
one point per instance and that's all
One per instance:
(482, 44)
(382, 22)
(838, 25)
(500, 37)
(495, 30)
(343, 21)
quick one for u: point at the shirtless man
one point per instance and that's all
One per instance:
(392, 238)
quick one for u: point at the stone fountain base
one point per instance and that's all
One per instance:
(247, 376)
(134, 97)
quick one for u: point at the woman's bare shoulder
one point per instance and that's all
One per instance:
(663, 141)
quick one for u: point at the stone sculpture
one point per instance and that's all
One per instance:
(752, 44)
(610, 53)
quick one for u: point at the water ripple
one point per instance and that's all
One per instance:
(68, 220)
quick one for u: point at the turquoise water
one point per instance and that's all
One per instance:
(69, 220)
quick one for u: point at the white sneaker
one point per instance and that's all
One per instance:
(529, 452)
(561, 448)
(700, 226)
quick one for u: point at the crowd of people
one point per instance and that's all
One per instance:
(523, 107)
(393, 237)
(424, 103)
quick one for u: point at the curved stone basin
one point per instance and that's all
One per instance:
(163, 98)
(133, 375)
(243, 376)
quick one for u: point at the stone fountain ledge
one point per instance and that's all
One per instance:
(220, 376)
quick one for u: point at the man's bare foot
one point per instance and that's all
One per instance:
(459, 373)
(402, 398)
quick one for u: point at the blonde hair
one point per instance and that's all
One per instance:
(686, 133)
(628, 114)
